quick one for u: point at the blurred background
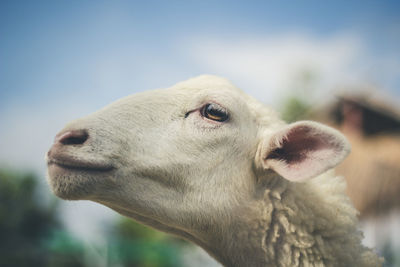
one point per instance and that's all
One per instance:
(337, 62)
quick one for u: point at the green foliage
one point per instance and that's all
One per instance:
(23, 223)
(63, 249)
(130, 229)
(132, 244)
(392, 259)
(294, 109)
(26, 225)
(297, 105)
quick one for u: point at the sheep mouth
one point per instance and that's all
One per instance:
(76, 165)
(74, 179)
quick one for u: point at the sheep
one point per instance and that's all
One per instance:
(206, 162)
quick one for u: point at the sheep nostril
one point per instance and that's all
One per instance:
(75, 137)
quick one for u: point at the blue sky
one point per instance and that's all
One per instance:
(60, 60)
(49, 49)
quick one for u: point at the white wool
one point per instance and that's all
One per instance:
(251, 190)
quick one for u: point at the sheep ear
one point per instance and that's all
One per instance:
(303, 150)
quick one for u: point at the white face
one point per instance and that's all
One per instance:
(160, 155)
(185, 159)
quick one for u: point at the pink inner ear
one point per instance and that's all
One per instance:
(296, 146)
(305, 150)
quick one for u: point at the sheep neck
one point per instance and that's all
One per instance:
(292, 224)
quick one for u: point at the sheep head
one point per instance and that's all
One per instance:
(182, 158)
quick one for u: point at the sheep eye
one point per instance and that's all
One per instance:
(214, 112)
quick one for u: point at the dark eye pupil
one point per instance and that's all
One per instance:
(215, 113)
